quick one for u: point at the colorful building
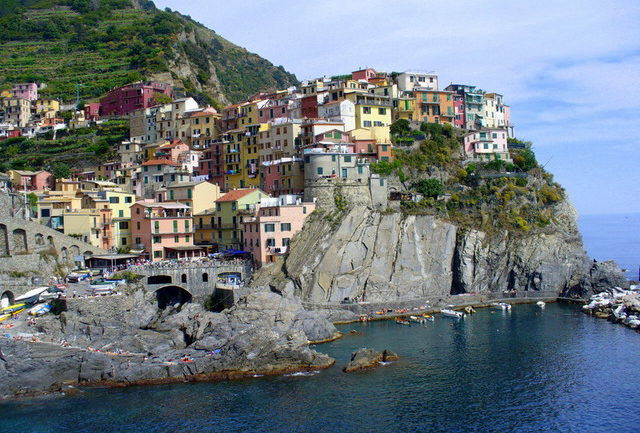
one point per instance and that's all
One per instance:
(25, 180)
(164, 231)
(28, 91)
(230, 211)
(409, 81)
(487, 145)
(268, 234)
(283, 176)
(199, 196)
(434, 106)
(121, 101)
(16, 111)
(473, 99)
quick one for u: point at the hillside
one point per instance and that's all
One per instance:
(100, 44)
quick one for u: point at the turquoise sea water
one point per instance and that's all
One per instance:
(530, 370)
(613, 237)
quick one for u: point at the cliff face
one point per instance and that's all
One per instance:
(385, 257)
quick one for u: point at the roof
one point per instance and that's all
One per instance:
(184, 184)
(236, 194)
(160, 162)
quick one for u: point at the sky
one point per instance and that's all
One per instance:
(570, 69)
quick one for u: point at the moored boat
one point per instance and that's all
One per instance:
(40, 310)
(452, 313)
(540, 304)
(501, 306)
(13, 308)
(402, 322)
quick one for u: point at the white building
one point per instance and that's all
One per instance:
(409, 80)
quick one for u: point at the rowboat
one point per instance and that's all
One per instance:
(501, 306)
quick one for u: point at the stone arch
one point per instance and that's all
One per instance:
(50, 241)
(159, 279)
(64, 254)
(74, 250)
(205, 277)
(87, 254)
(183, 278)
(6, 299)
(4, 240)
(39, 238)
(171, 296)
(20, 245)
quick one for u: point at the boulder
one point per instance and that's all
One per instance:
(364, 359)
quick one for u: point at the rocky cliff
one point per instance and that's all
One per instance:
(390, 256)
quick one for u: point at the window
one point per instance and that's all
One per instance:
(189, 193)
(176, 239)
(382, 111)
(205, 277)
(384, 147)
(187, 238)
(347, 159)
(285, 242)
(218, 207)
(234, 205)
(304, 209)
(285, 227)
(121, 214)
(486, 145)
(114, 199)
(123, 241)
(320, 170)
(271, 242)
(367, 124)
(175, 226)
(187, 226)
(156, 226)
(127, 200)
(45, 213)
(157, 239)
(378, 123)
(268, 228)
(171, 195)
(157, 254)
(183, 278)
(494, 135)
(138, 240)
(124, 225)
(366, 110)
(344, 172)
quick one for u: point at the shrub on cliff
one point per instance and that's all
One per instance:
(429, 187)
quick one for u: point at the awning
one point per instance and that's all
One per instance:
(194, 248)
(114, 256)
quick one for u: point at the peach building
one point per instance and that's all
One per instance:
(267, 235)
(163, 230)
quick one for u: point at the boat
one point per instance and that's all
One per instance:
(540, 304)
(32, 295)
(40, 310)
(428, 317)
(452, 313)
(15, 308)
(5, 315)
(469, 310)
(501, 305)
(402, 322)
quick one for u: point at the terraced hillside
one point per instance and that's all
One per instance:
(94, 45)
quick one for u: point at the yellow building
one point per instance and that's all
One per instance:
(229, 213)
(200, 196)
(47, 108)
(119, 203)
(404, 108)
(371, 110)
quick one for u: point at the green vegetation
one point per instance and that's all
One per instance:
(101, 44)
(492, 195)
(75, 148)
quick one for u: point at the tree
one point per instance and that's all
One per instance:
(525, 159)
(161, 98)
(429, 187)
(61, 170)
(400, 127)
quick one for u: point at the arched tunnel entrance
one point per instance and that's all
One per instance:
(172, 295)
(6, 299)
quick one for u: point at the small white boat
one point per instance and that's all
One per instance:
(40, 310)
(501, 305)
(452, 313)
(541, 304)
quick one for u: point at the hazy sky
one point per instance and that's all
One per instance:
(569, 69)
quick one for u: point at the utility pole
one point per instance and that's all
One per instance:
(78, 85)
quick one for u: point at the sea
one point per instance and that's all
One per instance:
(533, 369)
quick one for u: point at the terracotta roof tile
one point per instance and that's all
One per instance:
(236, 194)
(160, 162)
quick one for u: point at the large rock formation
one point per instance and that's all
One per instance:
(387, 256)
(137, 343)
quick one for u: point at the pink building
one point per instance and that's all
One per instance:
(92, 111)
(123, 100)
(458, 111)
(364, 74)
(267, 235)
(283, 176)
(487, 145)
(27, 91)
(32, 180)
(163, 230)
(172, 151)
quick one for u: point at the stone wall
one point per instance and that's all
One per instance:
(28, 248)
(371, 192)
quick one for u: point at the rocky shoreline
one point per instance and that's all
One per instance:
(127, 340)
(616, 305)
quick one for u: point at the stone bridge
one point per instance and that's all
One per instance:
(194, 281)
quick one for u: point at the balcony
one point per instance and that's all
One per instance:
(206, 226)
(277, 250)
